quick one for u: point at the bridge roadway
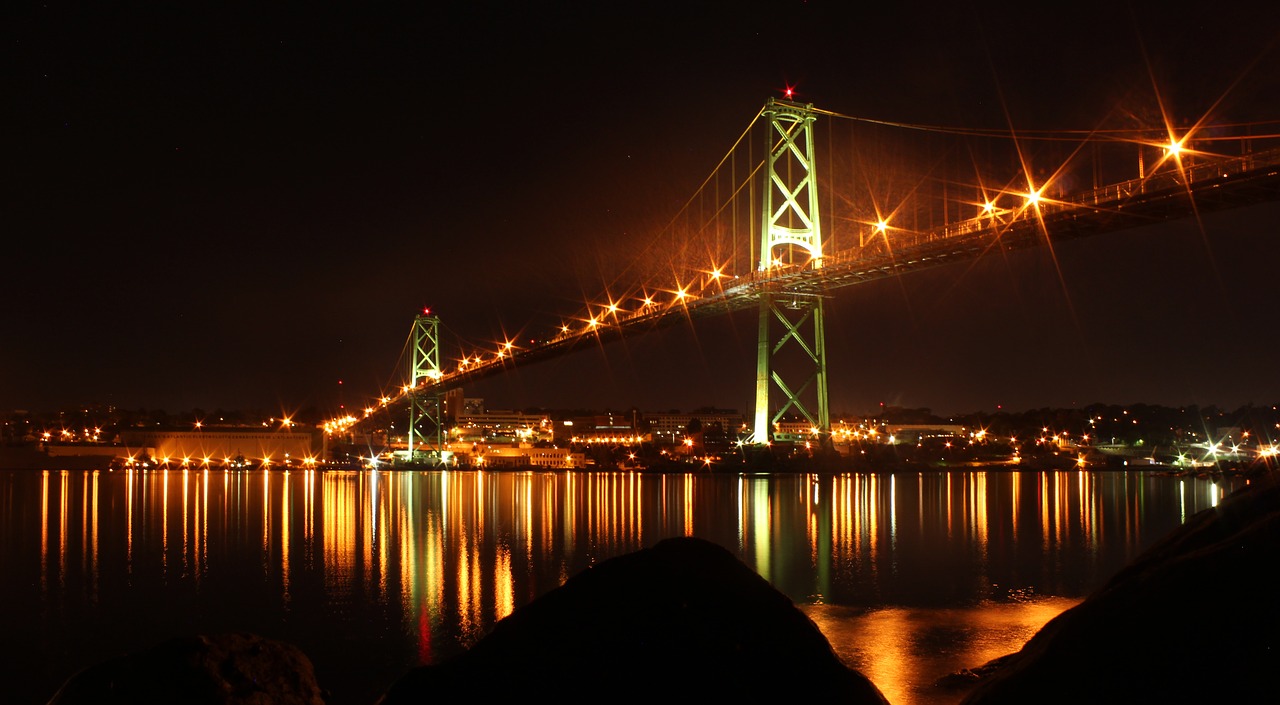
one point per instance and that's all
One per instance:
(1203, 188)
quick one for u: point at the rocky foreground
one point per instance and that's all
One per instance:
(684, 620)
(1194, 619)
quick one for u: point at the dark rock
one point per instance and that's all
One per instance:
(1193, 619)
(968, 677)
(226, 669)
(684, 620)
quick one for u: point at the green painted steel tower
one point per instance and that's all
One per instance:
(795, 362)
(424, 404)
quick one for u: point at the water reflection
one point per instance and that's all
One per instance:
(373, 572)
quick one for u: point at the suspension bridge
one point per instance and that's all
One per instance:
(788, 217)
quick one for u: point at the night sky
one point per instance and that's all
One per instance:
(214, 208)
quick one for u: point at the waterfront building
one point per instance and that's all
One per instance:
(669, 427)
(473, 421)
(919, 433)
(516, 455)
(220, 445)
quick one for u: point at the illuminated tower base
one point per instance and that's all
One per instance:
(802, 337)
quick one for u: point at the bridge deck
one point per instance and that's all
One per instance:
(1215, 186)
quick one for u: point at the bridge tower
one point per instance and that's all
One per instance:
(791, 237)
(424, 405)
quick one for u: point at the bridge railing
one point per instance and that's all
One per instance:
(1213, 168)
(1111, 194)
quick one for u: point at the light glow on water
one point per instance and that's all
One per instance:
(904, 651)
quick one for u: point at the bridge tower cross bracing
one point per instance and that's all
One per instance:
(424, 405)
(790, 224)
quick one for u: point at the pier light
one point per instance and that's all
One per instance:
(882, 225)
(988, 207)
(1174, 148)
(1033, 197)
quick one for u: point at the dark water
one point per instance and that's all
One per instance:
(910, 576)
